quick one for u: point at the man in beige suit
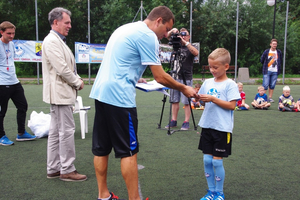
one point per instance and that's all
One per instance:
(60, 85)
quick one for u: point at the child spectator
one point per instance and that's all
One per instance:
(196, 104)
(219, 95)
(286, 101)
(241, 103)
(261, 99)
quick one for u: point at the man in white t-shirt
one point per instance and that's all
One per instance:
(130, 49)
(271, 60)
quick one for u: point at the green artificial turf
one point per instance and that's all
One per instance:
(264, 164)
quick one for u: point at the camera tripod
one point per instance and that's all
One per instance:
(175, 68)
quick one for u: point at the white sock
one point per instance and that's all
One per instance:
(106, 198)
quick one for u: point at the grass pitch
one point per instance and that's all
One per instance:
(264, 164)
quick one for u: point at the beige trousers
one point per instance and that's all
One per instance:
(61, 145)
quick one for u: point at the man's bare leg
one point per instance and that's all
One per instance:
(271, 93)
(187, 112)
(100, 164)
(175, 110)
(129, 171)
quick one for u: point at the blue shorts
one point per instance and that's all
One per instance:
(269, 80)
(175, 95)
(115, 127)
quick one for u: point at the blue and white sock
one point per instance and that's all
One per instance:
(219, 174)
(209, 172)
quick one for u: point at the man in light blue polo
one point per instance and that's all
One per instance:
(130, 49)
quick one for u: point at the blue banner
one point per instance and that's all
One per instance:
(89, 53)
(28, 51)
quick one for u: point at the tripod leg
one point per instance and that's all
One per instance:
(184, 81)
(170, 118)
(162, 111)
(195, 127)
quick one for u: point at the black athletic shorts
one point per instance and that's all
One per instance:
(216, 143)
(115, 127)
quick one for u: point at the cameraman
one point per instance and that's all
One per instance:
(188, 52)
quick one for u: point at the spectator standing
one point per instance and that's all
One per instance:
(271, 60)
(60, 85)
(10, 86)
(189, 52)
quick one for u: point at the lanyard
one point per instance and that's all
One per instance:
(6, 53)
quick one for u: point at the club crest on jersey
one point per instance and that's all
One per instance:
(214, 92)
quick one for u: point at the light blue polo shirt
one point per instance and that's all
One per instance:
(213, 116)
(7, 66)
(130, 49)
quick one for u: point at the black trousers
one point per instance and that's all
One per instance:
(16, 94)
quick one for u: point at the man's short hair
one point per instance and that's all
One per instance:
(161, 11)
(286, 88)
(56, 14)
(221, 54)
(5, 25)
(184, 30)
(273, 40)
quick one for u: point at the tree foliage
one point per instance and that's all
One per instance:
(214, 25)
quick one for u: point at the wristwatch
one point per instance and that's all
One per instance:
(186, 44)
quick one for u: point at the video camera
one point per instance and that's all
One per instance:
(175, 41)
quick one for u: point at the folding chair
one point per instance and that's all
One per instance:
(82, 110)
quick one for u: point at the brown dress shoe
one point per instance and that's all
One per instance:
(73, 176)
(53, 175)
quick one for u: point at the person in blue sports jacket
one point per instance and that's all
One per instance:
(271, 60)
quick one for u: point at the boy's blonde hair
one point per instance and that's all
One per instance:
(286, 88)
(260, 87)
(222, 54)
(240, 84)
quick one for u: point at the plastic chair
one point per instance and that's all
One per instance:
(82, 110)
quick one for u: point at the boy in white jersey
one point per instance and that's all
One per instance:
(219, 95)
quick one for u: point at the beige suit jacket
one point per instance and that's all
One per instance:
(60, 82)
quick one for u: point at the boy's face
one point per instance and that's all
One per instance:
(286, 93)
(261, 92)
(240, 88)
(197, 89)
(217, 68)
